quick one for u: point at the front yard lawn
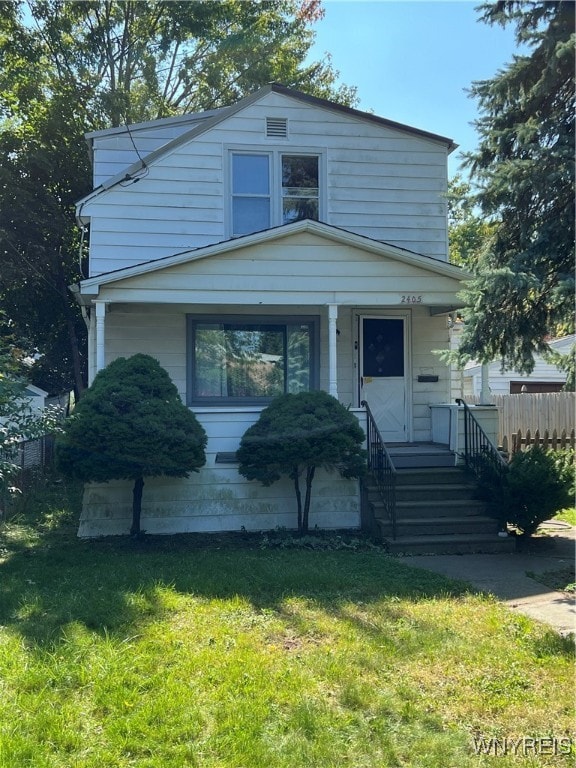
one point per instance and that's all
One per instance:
(171, 653)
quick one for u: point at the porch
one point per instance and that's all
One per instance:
(305, 306)
(422, 498)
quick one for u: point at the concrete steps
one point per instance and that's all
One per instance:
(436, 509)
(453, 544)
(420, 455)
(441, 526)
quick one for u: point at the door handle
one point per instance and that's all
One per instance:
(361, 381)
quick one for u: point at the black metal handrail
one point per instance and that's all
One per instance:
(479, 450)
(381, 466)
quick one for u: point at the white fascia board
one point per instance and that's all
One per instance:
(565, 341)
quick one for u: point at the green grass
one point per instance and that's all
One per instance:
(189, 651)
(567, 516)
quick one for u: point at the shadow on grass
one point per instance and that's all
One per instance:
(117, 586)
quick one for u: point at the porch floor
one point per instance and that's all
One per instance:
(406, 455)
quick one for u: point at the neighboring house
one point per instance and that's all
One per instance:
(545, 377)
(32, 399)
(284, 243)
(30, 452)
(35, 398)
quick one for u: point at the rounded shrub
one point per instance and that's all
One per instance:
(131, 424)
(537, 486)
(296, 434)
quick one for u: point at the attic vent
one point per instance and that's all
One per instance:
(277, 127)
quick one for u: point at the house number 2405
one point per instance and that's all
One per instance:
(411, 300)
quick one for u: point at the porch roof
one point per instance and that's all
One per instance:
(306, 262)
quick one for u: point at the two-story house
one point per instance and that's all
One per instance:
(281, 244)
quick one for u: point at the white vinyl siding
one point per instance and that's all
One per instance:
(380, 182)
(116, 149)
(217, 498)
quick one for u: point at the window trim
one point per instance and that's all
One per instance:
(275, 168)
(192, 320)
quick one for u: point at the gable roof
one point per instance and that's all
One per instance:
(217, 116)
(91, 286)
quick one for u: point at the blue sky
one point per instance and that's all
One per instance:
(412, 60)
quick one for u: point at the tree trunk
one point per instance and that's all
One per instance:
(295, 475)
(309, 477)
(79, 384)
(136, 506)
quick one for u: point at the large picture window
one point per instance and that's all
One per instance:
(273, 188)
(238, 360)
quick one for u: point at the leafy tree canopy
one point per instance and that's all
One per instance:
(524, 167)
(295, 435)
(70, 67)
(131, 424)
(132, 61)
(469, 234)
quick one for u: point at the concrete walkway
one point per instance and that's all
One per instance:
(505, 575)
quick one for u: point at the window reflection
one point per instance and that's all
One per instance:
(237, 360)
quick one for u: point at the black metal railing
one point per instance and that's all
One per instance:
(381, 466)
(480, 453)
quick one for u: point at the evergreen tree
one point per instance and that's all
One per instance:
(295, 435)
(131, 424)
(524, 288)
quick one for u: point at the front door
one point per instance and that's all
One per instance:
(384, 375)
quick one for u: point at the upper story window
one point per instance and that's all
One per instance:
(250, 193)
(299, 187)
(273, 188)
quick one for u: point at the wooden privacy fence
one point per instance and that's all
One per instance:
(523, 418)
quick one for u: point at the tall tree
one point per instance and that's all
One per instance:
(524, 166)
(469, 234)
(70, 67)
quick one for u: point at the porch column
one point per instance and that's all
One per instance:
(91, 324)
(100, 335)
(332, 351)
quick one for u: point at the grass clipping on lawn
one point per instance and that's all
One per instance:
(163, 654)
